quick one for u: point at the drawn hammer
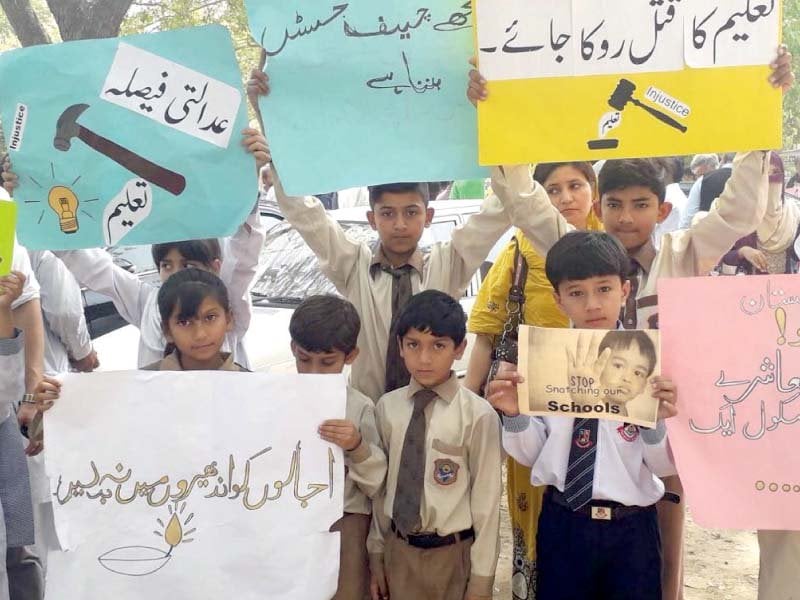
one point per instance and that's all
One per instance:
(68, 127)
(624, 94)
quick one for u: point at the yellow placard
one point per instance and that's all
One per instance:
(560, 119)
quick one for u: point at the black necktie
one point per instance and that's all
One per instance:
(580, 468)
(411, 472)
(396, 373)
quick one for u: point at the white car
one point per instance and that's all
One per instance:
(288, 273)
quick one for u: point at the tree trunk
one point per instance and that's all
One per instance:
(24, 22)
(83, 20)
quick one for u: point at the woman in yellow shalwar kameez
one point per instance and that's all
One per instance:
(572, 188)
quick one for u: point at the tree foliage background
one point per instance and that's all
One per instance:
(43, 21)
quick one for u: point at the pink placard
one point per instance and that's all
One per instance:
(732, 345)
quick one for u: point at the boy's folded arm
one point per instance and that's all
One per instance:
(734, 215)
(524, 438)
(485, 461)
(95, 269)
(239, 268)
(337, 254)
(529, 207)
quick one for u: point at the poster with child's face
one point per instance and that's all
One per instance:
(589, 373)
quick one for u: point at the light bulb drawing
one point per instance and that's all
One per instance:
(64, 203)
(138, 561)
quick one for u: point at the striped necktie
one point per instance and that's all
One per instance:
(580, 469)
(397, 375)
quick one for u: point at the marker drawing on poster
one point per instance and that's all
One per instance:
(582, 372)
(664, 67)
(735, 358)
(127, 139)
(393, 106)
(245, 496)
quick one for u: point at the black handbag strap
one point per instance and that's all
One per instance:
(515, 303)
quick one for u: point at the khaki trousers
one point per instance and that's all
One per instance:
(353, 558)
(435, 574)
(779, 573)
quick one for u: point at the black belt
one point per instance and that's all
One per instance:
(602, 510)
(427, 541)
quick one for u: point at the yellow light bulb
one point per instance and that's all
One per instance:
(65, 204)
(174, 532)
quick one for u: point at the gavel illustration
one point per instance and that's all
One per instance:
(68, 127)
(624, 94)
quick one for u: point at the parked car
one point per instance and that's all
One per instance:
(288, 273)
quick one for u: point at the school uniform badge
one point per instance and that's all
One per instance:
(628, 431)
(445, 471)
(584, 439)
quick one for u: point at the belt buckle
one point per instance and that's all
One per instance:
(601, 513)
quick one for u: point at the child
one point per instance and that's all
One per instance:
(378, 279)
(631, 359)
(195, 318)
(324, 332)
(437, 534)
(136, 301)
(598, 531)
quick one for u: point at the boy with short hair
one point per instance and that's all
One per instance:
(379, 279)
(324, 331)
(437, 534)
(603, 476)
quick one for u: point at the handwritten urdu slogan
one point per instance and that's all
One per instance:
(133, 139)
(167, 485)
(736, 359)
(591, 79)
(367, 92)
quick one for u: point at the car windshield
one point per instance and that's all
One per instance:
(289, 271)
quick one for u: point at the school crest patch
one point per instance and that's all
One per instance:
(628, 431)
(584, 439)
(445, 471)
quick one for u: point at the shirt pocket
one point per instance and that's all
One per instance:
(448, 468)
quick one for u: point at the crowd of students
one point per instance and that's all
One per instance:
(423, 452)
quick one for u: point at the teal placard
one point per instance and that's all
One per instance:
(367, 92)
(131, 139)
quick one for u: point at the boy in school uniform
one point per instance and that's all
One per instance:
(598, 532)
(136, 301)
(632, 203)
(436, 536)
(324, 331)
(379, 279)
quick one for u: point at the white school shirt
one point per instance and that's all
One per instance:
(21, 262)
(137, 302)
(65, 330)
(448, 267)
(628, 462)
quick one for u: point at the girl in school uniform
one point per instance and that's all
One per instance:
(195, 318)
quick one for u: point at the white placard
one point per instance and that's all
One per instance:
(194, 485)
